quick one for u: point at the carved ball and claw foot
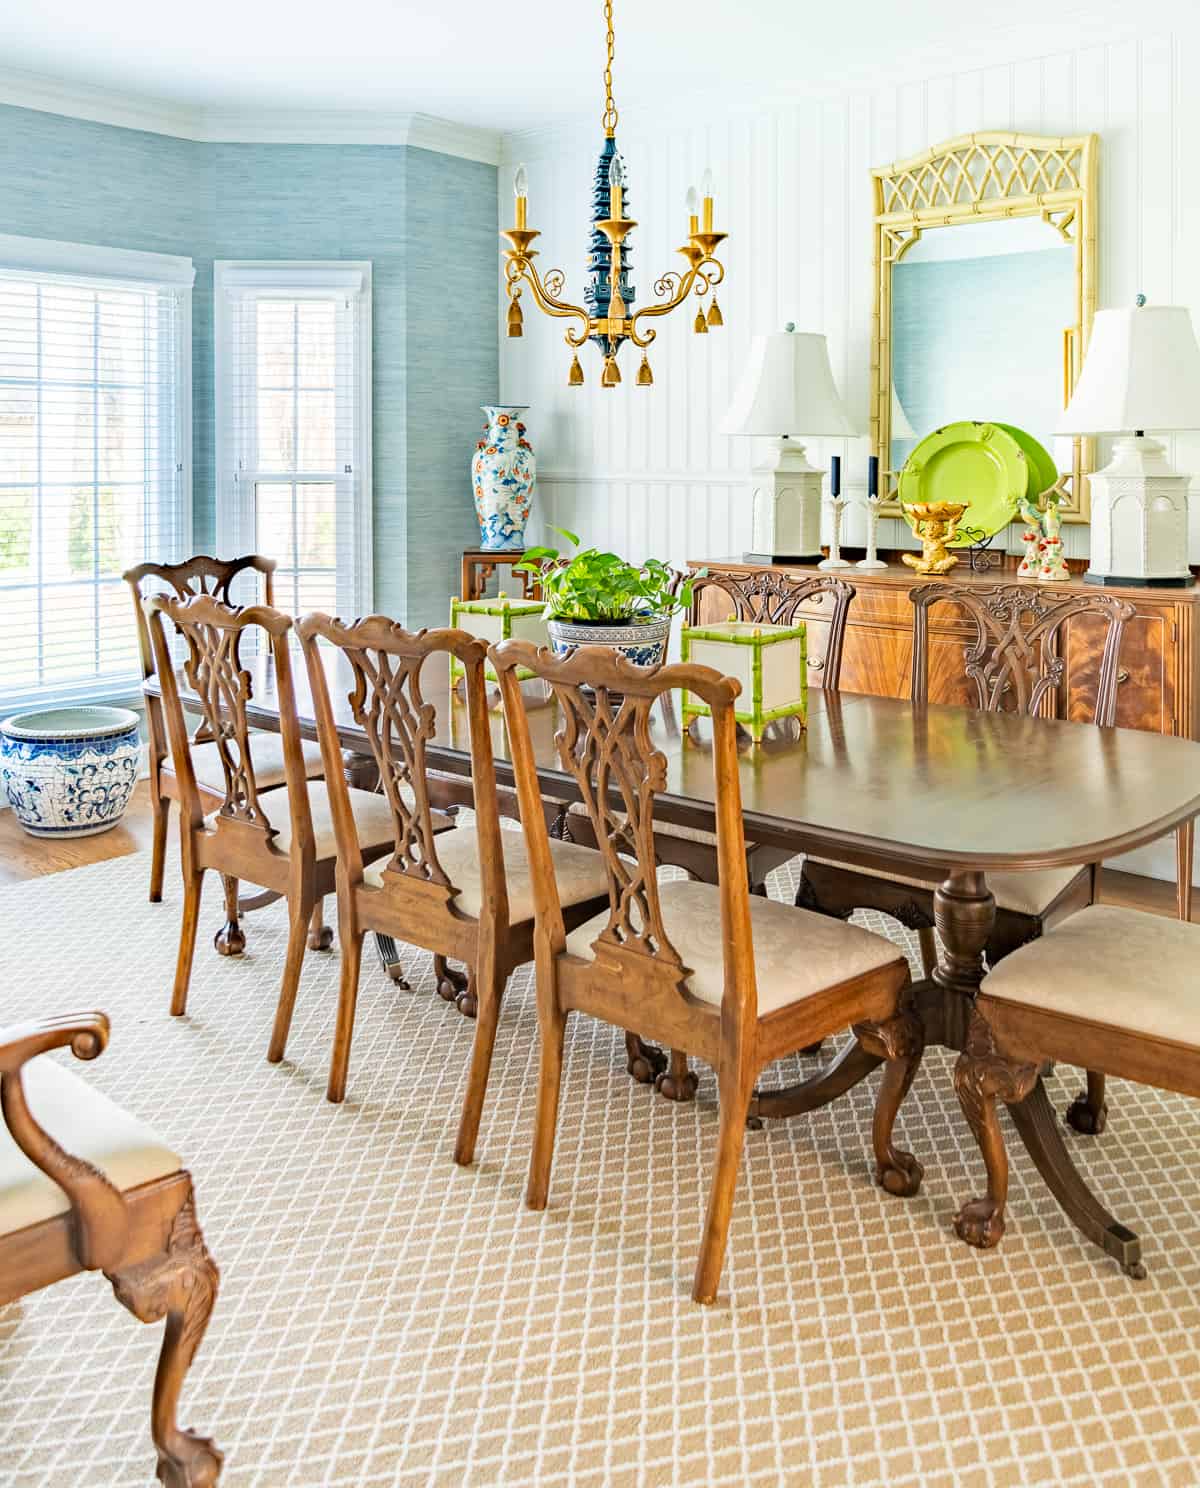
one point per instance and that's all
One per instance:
(900, 1042)
(644, 1062)
(455, 986)
(677, 1082)
(230, 939)
(320, 938)
(179, 1285)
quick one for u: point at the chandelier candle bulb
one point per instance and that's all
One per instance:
(706, 190)
(616, 187)
(521, 191)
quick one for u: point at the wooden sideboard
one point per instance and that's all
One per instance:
(1159, 688)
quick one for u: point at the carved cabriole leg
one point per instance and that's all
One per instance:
(229, 939)
(731, 1134)
(677, 1082)
(900, 1041)
(180, 1285)
(1088, 1112)
(453, 985)
(320, 935)
(980, 1076)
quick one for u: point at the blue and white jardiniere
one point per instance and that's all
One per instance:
(502, 475)
(640, 641)
(69, 772)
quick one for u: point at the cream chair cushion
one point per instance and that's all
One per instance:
(1022, 893)
(372, 817)
(579, 871)
(796, 954)
(1120, 967)
(266, 753)
(84, 1123)
(667, 829)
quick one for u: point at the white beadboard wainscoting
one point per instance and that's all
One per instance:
(644, 470)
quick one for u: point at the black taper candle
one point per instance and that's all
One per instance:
(835, 475)
(872, 475)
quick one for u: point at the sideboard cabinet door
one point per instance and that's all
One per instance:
(1146, 669)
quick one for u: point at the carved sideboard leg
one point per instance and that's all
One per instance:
(229, 939)
(980, 1076)
(180, 1285)
(320, 935)
(1088, 1112)
(644, 1062)
(677, 1082)
(900, 1041)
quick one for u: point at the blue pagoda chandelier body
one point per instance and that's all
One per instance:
(607, 316)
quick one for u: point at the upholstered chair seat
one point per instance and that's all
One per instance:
(84, 1123)
(372, 817)
(579, 871)
(797, 954)
(1118, 967)
(267, 752)
(1023, 893)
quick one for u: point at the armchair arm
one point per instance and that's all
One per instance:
(98, 1212)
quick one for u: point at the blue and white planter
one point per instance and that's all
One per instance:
(643, 641)
(502, 475)
(69, 772)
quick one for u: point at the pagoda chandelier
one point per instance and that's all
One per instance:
(607, 316)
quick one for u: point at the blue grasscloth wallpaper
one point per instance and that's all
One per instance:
(427, 223)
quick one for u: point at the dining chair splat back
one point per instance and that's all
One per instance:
(1017, 660)
(281, 840)
(768, 596)
(219, 578)
(461, 892)
(681, 961)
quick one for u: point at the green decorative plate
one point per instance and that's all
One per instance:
(1043, 472)
(979, 464)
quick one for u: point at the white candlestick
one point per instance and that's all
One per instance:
(871, 560)
(835, 559)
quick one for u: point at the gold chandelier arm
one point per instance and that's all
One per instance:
(672, 284)
(519, 269)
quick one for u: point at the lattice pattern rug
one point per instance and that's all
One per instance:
(386, 1318)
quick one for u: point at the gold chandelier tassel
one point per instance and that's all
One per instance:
(701, 325)
(715, 318)
(611, 374)
(645, 377)
(575, 375)
(516, 319)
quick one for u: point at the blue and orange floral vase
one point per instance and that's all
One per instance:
(502, 476)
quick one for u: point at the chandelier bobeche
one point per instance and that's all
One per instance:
(607, 316)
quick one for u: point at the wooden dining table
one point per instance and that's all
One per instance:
(938, 793)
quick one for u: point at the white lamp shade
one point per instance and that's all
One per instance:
(787, 388)
(1142, 371)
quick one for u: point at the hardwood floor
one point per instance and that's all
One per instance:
(23, 857)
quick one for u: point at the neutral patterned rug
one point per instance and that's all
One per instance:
(386, 1318)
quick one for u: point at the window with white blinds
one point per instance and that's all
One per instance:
(95, 434)
(293, 421)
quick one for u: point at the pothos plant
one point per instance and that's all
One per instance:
(601, 587)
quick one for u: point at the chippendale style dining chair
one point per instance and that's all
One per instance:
(681, 961)
(282, 840)
(1015, 661)
(463, 894)
(135, 1221)
(216, 577)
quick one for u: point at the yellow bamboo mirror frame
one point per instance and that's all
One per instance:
(985, 178)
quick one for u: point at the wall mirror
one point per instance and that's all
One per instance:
(985, 271)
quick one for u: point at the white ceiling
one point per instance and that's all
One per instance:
(517, 66)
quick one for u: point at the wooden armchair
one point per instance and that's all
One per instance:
(111, 1198)
(292, 852)
(463, 894)
(1013, 656)
(680, 961)
(1111, 989)
(215, 577)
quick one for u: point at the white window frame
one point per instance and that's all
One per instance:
(127, 268)
(295, 279)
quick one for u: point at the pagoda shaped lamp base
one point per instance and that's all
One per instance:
(787, 508)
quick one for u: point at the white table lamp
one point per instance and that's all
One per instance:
(787, 388)
(1142, 371)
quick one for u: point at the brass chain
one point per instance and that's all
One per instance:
(610, 113)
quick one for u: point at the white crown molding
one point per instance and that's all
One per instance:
(249, 126)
